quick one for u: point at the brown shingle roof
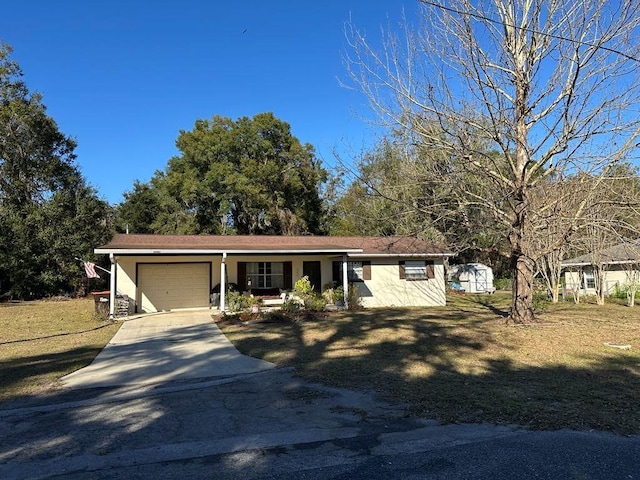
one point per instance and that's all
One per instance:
(368, 245)
(622, 253)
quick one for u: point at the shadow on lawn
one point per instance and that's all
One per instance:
(56, 335)
(441, 370)
(409, 356)
(22, 370)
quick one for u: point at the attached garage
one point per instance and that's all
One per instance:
(169, 272)
(170, 286)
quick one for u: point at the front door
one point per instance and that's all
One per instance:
(312, 270)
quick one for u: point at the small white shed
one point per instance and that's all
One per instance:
(472, 277)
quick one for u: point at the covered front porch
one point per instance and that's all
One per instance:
(263, 275)
(172, 282)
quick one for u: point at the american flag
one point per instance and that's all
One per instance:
(90, 270)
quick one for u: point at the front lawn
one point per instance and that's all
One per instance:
(462, 363)
(45, 340)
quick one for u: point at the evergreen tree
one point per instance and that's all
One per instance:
(48, 215)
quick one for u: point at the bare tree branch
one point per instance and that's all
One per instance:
(519, 94)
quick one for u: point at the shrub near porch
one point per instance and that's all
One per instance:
(462, 363)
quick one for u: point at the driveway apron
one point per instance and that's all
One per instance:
(165, 347)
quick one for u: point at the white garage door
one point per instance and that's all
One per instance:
(168, 286)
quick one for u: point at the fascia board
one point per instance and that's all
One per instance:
(588, 264)
(177, 251)
(400, 255)
(575, 264)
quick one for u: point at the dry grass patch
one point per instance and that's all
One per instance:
(461, 363)
(45, 340)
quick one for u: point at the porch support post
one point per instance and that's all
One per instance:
(345, 280)
(223, 288)
(112, 287)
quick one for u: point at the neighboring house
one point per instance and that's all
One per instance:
(166, 272)
(620, 263)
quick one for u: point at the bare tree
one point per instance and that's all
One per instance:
(550, 238)
(609, 226)
(516, 91)
(598, 239)
(632, 286)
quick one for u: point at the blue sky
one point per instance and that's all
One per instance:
(124, 77)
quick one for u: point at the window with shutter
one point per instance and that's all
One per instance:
(430, 269)
(416, 270)
(265, 274)
(356, 271)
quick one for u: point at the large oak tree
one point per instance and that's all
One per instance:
(248, 176)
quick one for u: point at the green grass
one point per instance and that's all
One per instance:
(45, 340)
(458, 363)
(462, 363)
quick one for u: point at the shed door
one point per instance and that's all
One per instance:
(169, 286)
(481, 280)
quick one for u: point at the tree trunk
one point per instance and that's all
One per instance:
(598, 276)
(522, 289)
(576, 295)
(547, 265)
(555, 293)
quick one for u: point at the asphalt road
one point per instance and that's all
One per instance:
(270, 425)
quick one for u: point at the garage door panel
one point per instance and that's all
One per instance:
(169, 286)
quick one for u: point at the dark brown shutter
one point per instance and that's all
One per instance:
(287, 271)
(366, 270)
(430, 269)
(401, 264)
(242, 276)
(335, 269)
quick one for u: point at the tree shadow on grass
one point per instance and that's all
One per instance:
(487, 302)
(21, 371)
(553, 397)
(439, 370)
(56, 335)
(409, 356)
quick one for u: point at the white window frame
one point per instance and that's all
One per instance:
(589, 278)
(265, 275)
(415, 270)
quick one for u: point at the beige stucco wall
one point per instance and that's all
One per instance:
(384, 289)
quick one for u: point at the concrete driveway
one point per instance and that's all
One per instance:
(162, 348)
